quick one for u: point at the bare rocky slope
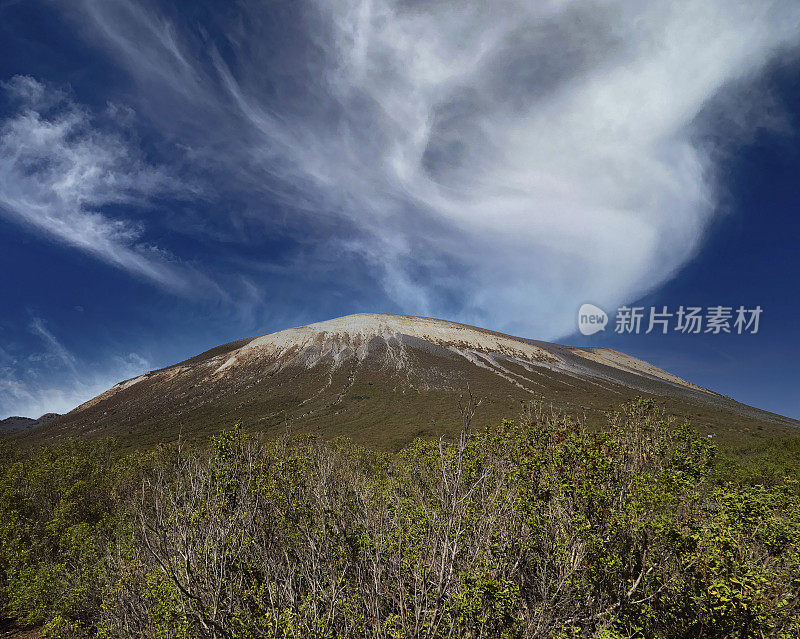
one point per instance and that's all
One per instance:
(384, 379)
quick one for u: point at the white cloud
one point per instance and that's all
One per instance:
(33, 398)
(53, 379)
(54, 347)
(520, 158)
(58, 171)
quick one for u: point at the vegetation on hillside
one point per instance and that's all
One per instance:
(538, 528)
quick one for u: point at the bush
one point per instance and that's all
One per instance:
(539, 528)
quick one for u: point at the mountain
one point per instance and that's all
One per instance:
(16, 424)
(384, 379)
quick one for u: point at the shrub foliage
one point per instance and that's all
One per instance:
(539, 528)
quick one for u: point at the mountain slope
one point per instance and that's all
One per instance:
(384, 379)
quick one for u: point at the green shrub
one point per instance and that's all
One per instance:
(540, 528)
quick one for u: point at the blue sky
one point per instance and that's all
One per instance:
(178, 175)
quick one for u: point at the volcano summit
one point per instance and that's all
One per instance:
(382, 380)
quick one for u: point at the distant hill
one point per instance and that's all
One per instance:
(384, 379)
(17, 424)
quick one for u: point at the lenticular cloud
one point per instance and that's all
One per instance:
(498, 162)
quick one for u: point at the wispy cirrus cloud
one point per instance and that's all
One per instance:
(499, 162)
(51, 378)
(54, 348)
(60, 172)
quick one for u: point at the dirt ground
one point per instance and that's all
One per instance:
(8, 629)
